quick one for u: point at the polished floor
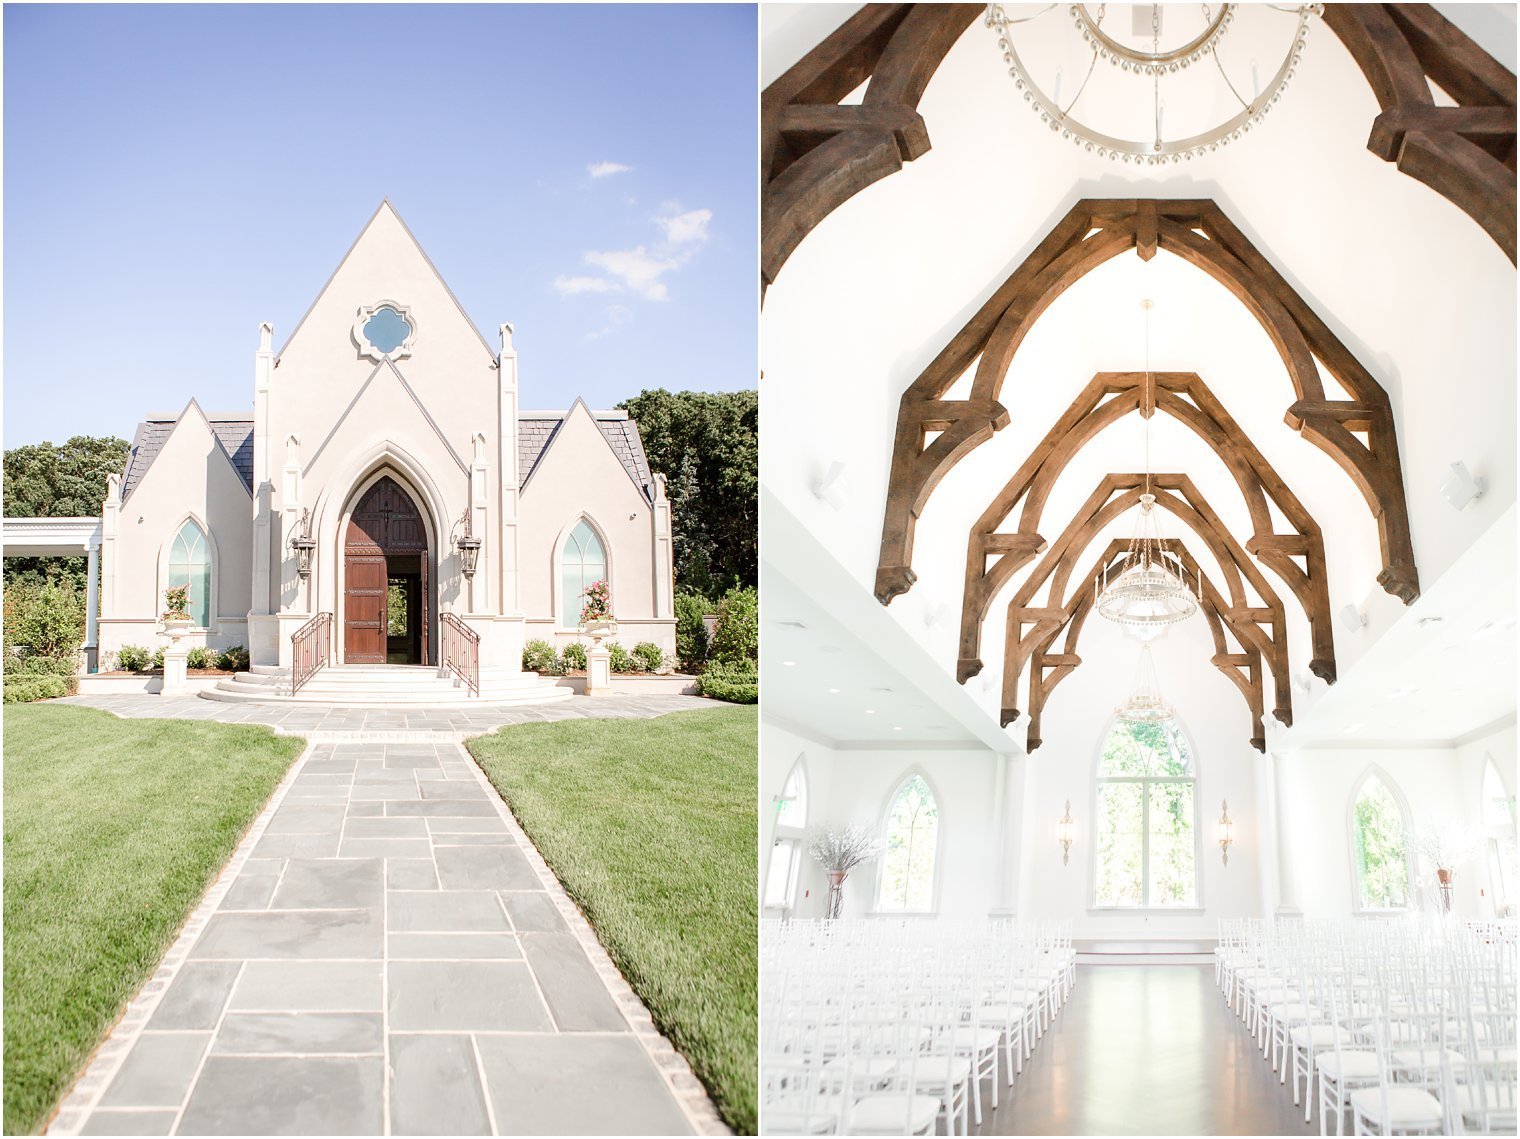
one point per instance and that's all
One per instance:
(1146, 1050)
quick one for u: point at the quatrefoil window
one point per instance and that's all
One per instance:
(384, 330)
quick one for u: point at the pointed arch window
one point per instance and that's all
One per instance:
(912, 845)
(786, 845)
(190, 564)
(1379, 830)
(582, 561)
(1499, 826)
(1145, 821)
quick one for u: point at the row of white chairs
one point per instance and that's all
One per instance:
(892, 1027)
(1408, 1024)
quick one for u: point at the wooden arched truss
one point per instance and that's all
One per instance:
(934, 433)
(1297, 556)
(816, 154)
(1254, 618)
(1464, 153)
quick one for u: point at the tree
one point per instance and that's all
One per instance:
(706, 445)
(64, 481)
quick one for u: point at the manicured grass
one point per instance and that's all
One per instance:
(650, 825)
(113, 830)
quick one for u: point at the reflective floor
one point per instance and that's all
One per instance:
(1146, 1050)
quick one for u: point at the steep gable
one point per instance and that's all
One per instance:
(538, 430)
(233, 432)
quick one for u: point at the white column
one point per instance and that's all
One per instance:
(91, 617)
(1281, 828)
(1016, 772)
(302, 599)
(664, 554)
(263, 553)
(509, 602)
(110, 516)
(478, 590)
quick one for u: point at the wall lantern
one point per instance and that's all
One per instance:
(303, 544)
(1226, 830)
(469, 547)
(1065, 831)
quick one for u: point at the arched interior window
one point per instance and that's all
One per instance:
(582, 562)
(786, 845)
(190, 564)
(1499, 826)
(1380, 830)
(1145, 824)
(912, 841)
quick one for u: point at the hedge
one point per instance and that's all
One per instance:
(736, 683)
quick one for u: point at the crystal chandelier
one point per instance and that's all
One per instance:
(1151, 592)
(1145, 705)
(1180, 61)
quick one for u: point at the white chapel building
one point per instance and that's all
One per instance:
(385, 441)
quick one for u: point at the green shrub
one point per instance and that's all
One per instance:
(132, 658)
(622, 660)
(234, 659)
(574, 657)
(26, 689)
(200, 657)
(34, 664)
(157, 660)
(736, 683)
(691, 630)
(736, 637)
(648, 654)
(46, 618)
(540, 657)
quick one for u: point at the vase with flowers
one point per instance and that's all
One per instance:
(1442, 850)
(839, 852)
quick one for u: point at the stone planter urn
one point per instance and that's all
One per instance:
(175, 655)
(598, 659)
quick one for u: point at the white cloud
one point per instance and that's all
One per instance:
(603, 169)
(636, 269)
(688, 227)
(569, 286)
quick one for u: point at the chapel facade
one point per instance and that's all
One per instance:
(384, 452)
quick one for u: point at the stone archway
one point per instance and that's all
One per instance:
(386, 553)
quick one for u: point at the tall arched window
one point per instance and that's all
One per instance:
(1499, 826)
(582, 562)
(912, 841)
(786, 845)
(1145, 823)
(190, 564)
(1379, 830)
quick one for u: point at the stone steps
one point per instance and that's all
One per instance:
(384, 686)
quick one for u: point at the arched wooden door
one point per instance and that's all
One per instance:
(385, 546)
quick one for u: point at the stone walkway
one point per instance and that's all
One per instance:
(386, 954)
(310, 719)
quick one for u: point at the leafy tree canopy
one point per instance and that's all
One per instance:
(706, 445)
(66, 480)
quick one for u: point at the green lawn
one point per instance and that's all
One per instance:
(113, 830)
(650, 825)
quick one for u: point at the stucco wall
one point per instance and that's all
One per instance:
(191, 477)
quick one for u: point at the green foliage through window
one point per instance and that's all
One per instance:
(1382, 866)
(912, 840)
(1144, 825)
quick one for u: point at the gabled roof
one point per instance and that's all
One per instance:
(535, 429)
(233, 431)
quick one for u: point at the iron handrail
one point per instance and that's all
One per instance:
(461, 651)
(310, 649)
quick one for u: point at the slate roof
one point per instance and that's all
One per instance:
(233, 432)
(534, 431)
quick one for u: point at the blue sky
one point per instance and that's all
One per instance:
(175, 174)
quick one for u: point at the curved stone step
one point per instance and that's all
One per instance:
(413, 687)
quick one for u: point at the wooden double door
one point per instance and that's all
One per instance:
(386, 605)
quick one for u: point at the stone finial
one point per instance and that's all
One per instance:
(266, 336)
(113, 489)
(478, 444)
(506, 337)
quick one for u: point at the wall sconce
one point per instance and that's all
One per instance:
(303, 544)
(1065, 830)
(1226, 830)
(469, 547)
(1460, 487)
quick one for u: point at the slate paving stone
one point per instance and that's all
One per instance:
(330, 884)
(300, 1033)
(250, 891)
(108, 1122)
(538, 1086)
(280, 1095)
(384, 848)
(451, 789)
(385, 828)
(158, 1070)
(297, 818)
(196, 996)
(297, 846)
(464, 996)
(442, 808)
(466, 826)
(578, 998)
(366, 810)
(309, 986)
(452, 946)
(483, 868)
(292, 935)
(534, 912)
(440, 911)
(410, 874)
(435, 1087)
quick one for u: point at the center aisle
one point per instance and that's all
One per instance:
(1147, 1050)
